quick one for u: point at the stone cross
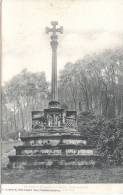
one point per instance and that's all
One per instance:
(54, 43)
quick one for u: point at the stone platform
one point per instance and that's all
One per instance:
(53, 142)
(48, 149)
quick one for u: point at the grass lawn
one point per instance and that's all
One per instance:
(104, 175)
(7, 146)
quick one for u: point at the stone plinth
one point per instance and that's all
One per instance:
(59, 150)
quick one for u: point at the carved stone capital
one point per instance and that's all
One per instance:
(54, 44)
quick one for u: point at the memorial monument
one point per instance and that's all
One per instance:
(54, 140)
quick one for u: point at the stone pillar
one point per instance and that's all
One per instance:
(54, 44)
(54, 89)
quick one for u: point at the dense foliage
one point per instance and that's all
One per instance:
(90, 126)
(110, 143)
(104, 135)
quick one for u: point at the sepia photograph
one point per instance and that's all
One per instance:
(62, 92)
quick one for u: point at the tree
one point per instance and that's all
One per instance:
(94, 83)
(25, 92)
(68, 86)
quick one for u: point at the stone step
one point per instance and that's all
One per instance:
(54, 142)
(44, 161)
(56, 150)
(59, 146)
(51, 136)
(56, 157)
(83, 164)
(49, 130)
(65, 166)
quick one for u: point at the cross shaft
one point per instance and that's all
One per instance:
(54, 44)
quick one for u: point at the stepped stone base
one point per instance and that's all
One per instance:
(59, 149)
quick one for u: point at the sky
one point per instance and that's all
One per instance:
(89, 26)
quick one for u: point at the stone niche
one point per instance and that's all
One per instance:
(70, 119)
(38, 119)
(54, 114)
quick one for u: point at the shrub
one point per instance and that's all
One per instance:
(105, 135)
(110, 141)
(90, 126)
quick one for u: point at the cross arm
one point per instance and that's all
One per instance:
(60, 29)
(48, 30)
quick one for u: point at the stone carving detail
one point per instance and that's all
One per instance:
(38, 119)
(70, 120)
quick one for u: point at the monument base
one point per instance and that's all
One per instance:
(59, 149)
